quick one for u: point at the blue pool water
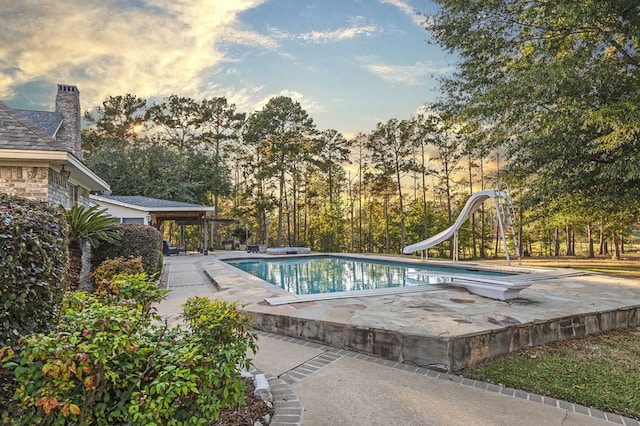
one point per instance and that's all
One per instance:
(329, 274)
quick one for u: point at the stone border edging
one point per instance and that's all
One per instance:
(287, 409)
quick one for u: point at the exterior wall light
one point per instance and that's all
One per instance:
(65, 173)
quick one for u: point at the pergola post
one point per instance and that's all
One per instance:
(205, 250)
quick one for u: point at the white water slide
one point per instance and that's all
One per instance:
(473, 203)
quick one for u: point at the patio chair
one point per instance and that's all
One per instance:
(168, 250)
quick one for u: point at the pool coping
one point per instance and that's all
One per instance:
(394, 326)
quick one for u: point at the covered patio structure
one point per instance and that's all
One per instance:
(155, 212)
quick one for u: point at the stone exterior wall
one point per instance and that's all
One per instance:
(26, 182)
(42, 184)
(60, 191)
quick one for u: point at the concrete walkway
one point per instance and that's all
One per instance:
(315, 384)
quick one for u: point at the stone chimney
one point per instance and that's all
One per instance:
(68, 104)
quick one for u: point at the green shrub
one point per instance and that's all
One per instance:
(197, 373)
(106, 272)
(223, 332)
(84, 372)
(134, 288)
(129, 288)
(33, 261)
(136, 240)
(108, 363)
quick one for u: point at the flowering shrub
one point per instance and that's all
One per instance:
(108, 363)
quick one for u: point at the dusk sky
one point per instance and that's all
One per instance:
(350, 63)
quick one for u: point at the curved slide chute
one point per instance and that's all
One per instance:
(473, 203)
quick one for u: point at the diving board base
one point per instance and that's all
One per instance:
(288, 250)
(505, 291)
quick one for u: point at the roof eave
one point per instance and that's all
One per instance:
(153, 209)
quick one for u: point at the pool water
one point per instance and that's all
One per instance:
(329, 274)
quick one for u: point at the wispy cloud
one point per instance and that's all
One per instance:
(114, 47)
(249, 38)
(407, 10)
(338, 35)
(414, 74)
(356, 27)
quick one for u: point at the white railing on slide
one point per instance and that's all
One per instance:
(506, 217)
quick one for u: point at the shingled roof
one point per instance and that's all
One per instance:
(162, 210)
(17, 132)
(47, 121)
(153, 203)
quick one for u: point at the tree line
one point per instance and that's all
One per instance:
(274, 168)
(544, 99)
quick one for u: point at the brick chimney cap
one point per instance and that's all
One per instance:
(67, 88)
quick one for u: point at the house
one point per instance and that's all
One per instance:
(41, 153)
(41, 159)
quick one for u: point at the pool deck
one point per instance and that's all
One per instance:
(441, 326)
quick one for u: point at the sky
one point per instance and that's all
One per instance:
(349, 63)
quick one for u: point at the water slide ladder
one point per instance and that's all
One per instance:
(506, 214)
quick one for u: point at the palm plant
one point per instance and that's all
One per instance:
(86, 226)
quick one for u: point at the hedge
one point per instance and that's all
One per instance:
(33, 260)
(136, 240)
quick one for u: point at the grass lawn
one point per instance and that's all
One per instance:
(600, 371)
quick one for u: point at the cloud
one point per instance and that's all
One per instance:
(337, 35)
(244, 98)
(252, 98)
(249, 38)
(407, 10)
(147, 47)
(357, 27)
(425, 111)
(414, 74)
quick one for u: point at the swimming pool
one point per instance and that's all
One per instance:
(334, 274)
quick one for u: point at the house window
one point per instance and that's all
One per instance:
(71, 196)
(68, 199)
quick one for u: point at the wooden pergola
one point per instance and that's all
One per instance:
(154, 212)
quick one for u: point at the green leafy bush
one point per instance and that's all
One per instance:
(107, 362)
(110, 268)
(134, 288)
(33, 261)
(135, 240)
